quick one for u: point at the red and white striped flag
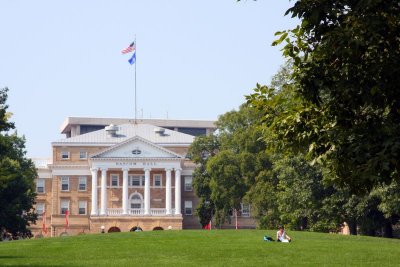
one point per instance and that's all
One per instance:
(66, 219)
(129, 49)
(44, 229)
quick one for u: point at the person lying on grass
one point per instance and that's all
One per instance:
(281, 235)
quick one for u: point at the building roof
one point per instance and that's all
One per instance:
(66, 126)
(126, 131)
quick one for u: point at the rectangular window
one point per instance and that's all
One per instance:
(64, 183)
(188, 208)
(82, 154)
(39, 208)
(40, 185)
(64, 155)
(157, 180)
(82, 183)
(114, 180)
(136, 180)
(245, 210)
(82, 207)
(188, 183)
(64, 205)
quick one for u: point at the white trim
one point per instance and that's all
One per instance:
(64, 200)
(86, 154)
(44, 185)
(111, 178)
(140, 139)
(61, 183)
(191, 183)
(154, 180)
(79, 207)
(43, 205)
(79, 183)
(62, 154)
(188, 204)
(141, 180)
(141, 199)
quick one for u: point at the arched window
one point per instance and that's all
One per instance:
(136, 201)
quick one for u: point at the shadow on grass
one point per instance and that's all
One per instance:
(10, 257)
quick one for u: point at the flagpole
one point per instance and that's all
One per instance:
(135, 83)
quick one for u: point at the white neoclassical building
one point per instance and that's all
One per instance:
(119, 175)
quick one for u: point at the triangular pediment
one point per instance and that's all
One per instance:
(136, 147)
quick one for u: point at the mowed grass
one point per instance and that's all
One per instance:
(201, 248)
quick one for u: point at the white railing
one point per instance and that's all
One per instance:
(158, 212)
(136, 212)
(114, 212)
(139, 212)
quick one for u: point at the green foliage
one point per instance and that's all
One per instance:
(17, 175)
(345, 106)
(228, 163)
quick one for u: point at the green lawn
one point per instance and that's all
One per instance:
(201, 248)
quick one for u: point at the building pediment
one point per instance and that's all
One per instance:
(137, 147)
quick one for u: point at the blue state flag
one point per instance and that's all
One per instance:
(132, 60)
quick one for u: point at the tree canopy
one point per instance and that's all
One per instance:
(345, 109)
(17, 175)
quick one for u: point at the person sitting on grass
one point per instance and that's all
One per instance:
(281, 235)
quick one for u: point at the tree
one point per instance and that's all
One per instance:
(200, 151)
(346, 77)
(17, 174)
(228, 162)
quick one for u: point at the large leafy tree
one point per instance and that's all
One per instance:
(346, 76)
(17, 175)
(228, 163)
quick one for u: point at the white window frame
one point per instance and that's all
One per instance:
(114, 175)
(65, 155)
(85, 155)
(38, 182)
(188, 186)
(64, 204)
(139, 200)
(157, 176)
(79, 183)
(141, 180)
(188, 207)
(84, 206)
(43, 208)
(63, 179)
(247, 213)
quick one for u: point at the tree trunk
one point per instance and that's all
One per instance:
(388, 229)
(353, 228)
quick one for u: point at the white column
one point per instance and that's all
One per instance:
(103, 201)
(147, 191)
(178, 191)
(125, 191)
(94, 211)
(168, 192)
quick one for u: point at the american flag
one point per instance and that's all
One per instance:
(129, 49)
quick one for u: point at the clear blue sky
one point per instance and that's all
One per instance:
(195, 59)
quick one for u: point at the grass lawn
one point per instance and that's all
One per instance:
(201, 248)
